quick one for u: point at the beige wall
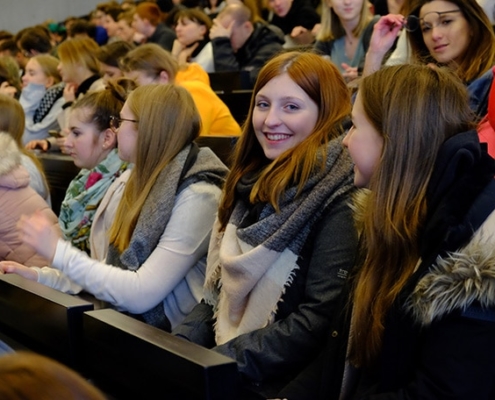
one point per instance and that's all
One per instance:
(19, 14)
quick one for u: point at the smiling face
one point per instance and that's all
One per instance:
(364, 143)
(85, 144)
(447, 35)
(189, 32)
(284, 115)
(34, 74)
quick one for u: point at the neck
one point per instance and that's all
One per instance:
(83, 76)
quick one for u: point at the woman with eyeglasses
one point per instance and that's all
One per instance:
(418, 314)
(455, 33)
(158, 238)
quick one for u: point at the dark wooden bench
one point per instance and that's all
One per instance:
(229, 80)
(222, 146)
(59, 171)
(129, 359)
(238, 102)
(43, 320)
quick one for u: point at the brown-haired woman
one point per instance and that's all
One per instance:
(420, 323)
(284, 239)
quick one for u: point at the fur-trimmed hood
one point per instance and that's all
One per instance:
(458, 280)
(12, 174)
(10, 156)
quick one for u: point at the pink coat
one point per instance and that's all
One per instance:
(17, 198)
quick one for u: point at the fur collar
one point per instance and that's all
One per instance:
(456, 281)
(10, 156)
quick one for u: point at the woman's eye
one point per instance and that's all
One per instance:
(292, 107)
(262, 104)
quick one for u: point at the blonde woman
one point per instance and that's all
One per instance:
(155, 265)
(41, 97)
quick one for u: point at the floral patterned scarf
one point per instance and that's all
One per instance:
(83, 197)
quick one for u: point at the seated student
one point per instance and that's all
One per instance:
(125, 31)
(455, 33)
(30, 376)
(35, 40)
(284, 237)
(345, 34)
(149, 63)
(160, 234)
(420, 322)
(109, 57)
(296, 18)
(147, 20)
(16, 199)
(12, 122)
(41, 97)
(239, 44)
(10, 82)
(92, 144)
(110, 17)
(192, 28)
(80, 71)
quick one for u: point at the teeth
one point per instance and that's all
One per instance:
(276, 136)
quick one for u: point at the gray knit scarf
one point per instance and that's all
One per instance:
(250, 264)
(189, 166)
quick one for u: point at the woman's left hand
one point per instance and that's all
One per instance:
(39, 232)
(350, 73)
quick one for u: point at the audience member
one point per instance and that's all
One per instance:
(454, 33)
(241, 45)
(345, 34)
(147, 20)
(421, 298)
(29, 376)
(296, 18)
(125, 31)
(34, 41)
(110, 22)
(284, 239)
(41, 97)
(159, 237)
(110, 56)
(192, 28)
(10, 82)
(149, 63)
(16, 199)
(12, 122)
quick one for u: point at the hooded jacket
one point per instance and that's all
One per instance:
(262, 45)
(17, 198)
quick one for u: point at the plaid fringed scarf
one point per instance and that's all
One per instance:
(249, 266)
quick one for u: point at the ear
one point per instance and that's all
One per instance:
(202, 30)
(49, 81)
(109, 139)
(163, 77)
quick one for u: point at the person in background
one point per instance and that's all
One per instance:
(41, 97)
(80, 71)
(154, 269)
(344, 35)
(125, 31)
(12, 122)
(17, 198)
(25, 375)
(192, 28)
(296, 18)
(239, 44)
(149, 63)
(10, 82)
(110, 22)
(110, 56)
(454, 33)
(284, 238)
(34, 41)
(147, 20)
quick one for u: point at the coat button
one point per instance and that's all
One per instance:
(335, 334)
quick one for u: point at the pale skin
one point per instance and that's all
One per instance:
(7, 89)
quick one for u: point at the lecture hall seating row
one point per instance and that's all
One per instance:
(124, 357)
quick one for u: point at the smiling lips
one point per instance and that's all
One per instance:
(276, 137)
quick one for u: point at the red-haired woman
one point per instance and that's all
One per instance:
(284, 238)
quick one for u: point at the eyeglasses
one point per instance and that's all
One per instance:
(115, 122)
(413, 22)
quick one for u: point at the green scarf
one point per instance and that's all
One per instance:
(83, 197)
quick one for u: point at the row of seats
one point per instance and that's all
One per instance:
(124, 357)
